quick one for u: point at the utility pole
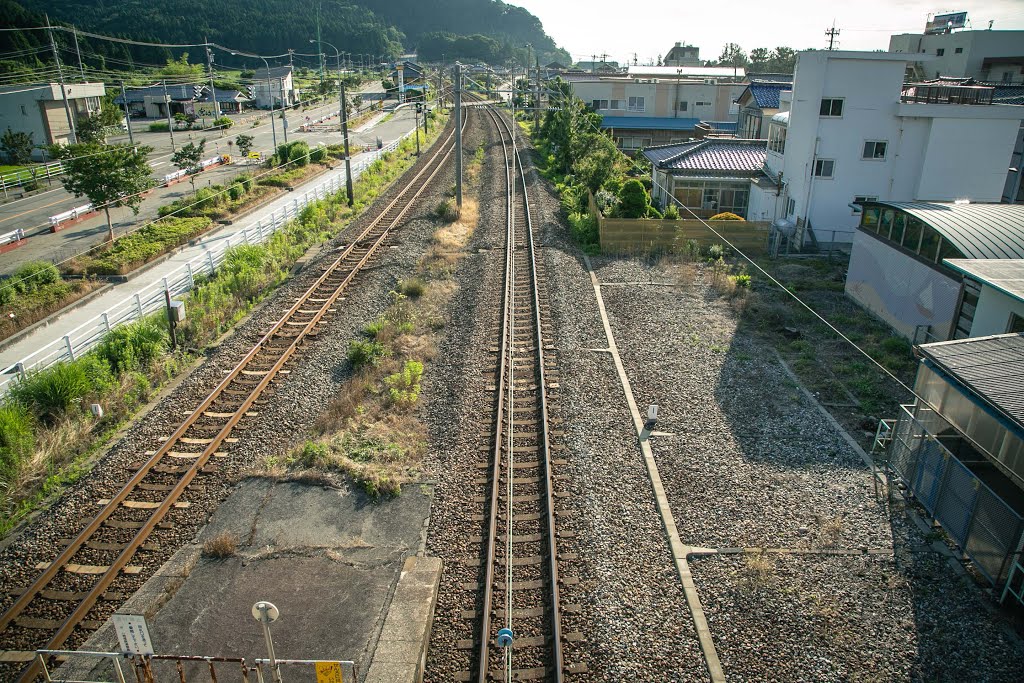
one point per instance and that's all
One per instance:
(416, 128)
(593, 64)
(81, 69)
(536, 96)
(213, 91)
(458, 134)
(831, 33)
(284, 109)
(127, 114)
(344, 133)
(72, 135)
(167, 108)
(319, 46)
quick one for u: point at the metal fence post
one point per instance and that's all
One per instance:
(213, 266)
(138, 303)
(70, 347)
(259, 230)
(245, 236)
(106, 322)
(191, 275)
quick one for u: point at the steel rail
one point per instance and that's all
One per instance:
(515, 173)
(441, 155)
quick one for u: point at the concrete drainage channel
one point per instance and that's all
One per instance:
(349, 577)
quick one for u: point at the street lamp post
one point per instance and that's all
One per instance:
(265, 613)
(270, 94)
(344, 127)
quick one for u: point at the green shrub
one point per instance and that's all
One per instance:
(404, 386)
(371, 330)
(206, 197)
(299, 153)
(246, 181)
(584, 228)
(726, 216)
(318, 155)
(141, 246)
(634, 201)
(134, 346)
(158, 127)
(52, 392)
(366, 353)
(412, 288)
(715, 252)
(671, 213)
(99, 373)
(223, 122)
(447, 211)
(742, 280)
(17, 441)
(236, 191)
(33, 275)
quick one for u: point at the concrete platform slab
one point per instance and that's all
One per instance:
(333, 561)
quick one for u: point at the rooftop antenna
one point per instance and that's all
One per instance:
(990, 22)
(831, 33)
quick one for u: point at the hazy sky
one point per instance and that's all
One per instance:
(650, 27)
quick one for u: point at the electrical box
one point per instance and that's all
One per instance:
(178, 311)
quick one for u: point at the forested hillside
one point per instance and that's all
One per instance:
(470, 29)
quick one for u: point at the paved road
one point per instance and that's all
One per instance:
(390, 130)
(32, 213)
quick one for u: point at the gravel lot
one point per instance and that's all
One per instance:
(291, 407)
(748, 461)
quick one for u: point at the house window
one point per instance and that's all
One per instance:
(615, 105)
(702, 104)
(635, 104)
(824, 168)
(1015, 325)
(939, 52)
(831, 107)
(958, 50)
(791, 207)
(708, 197)
(777, 139)
(875, 149)
(634, 142)
(682, 106)
(860, 199)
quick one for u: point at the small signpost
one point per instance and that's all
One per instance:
(329, 672)
(133, 634)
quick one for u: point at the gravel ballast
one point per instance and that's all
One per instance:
(748, 461)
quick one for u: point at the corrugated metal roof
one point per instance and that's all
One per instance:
(979, 231)
(992, 368)
(1006, 275)
(647, 123)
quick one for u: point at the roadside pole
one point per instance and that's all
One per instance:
(284, 109)
(344, 133)
(536, 97)
(127, 114)
(72, 135)
(167, 107)
(213, 91)
(458, 134)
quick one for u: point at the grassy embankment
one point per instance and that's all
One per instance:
(48, 435)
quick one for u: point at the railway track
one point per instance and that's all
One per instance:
(519, 634)
(67, 598)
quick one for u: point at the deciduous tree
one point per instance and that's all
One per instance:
(110, 176)
(16, 146)
(187, 159)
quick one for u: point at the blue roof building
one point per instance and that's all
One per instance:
(759, 102)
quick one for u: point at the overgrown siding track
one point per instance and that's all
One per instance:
(519, 587)
(72, 596)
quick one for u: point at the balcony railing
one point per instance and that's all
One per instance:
(925, 93)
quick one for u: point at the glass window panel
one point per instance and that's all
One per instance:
(948, 250)
(912, 237)
(930, 243)
(886, 222)
(870, 217)
(899, 224)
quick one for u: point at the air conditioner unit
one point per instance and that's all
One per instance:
(710, 81)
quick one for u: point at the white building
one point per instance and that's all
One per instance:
(984, 55)
(641, 110)
(276, 84)
(991, 297)
(39, 109)
(849, 131)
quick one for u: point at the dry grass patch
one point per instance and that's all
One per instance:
(758, 569)
(221, 546)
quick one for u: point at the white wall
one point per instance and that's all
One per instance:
(967, 158)
(975, 46)
(764, 204)
(993, 312)
(899, 289)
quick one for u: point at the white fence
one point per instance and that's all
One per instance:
(152, 298)
(71, 214)
(12, 236)
(15, 179)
